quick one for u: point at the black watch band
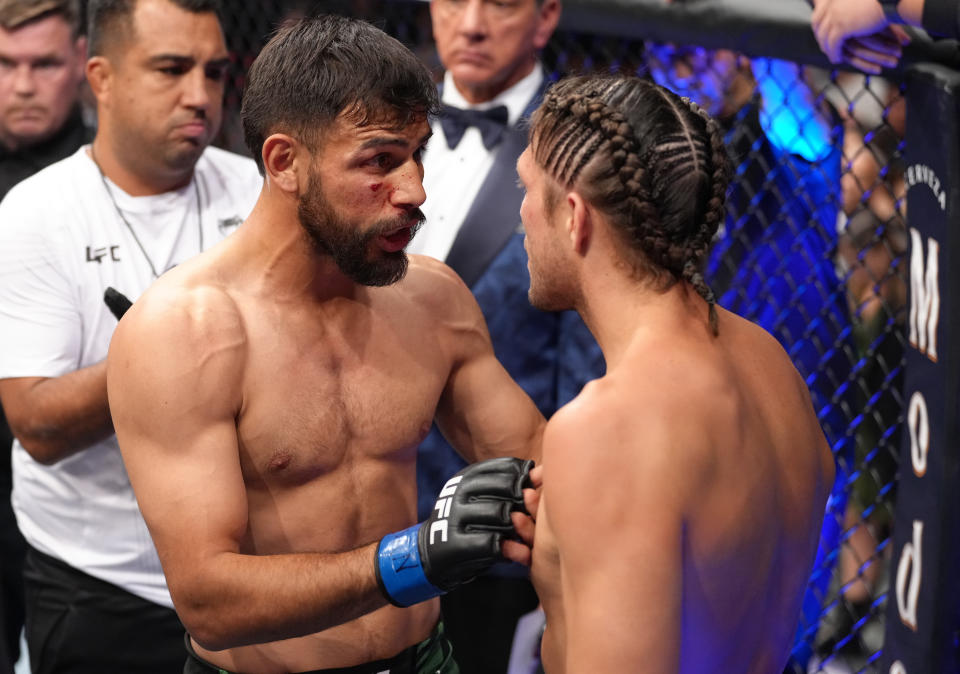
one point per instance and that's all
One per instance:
(890, 10)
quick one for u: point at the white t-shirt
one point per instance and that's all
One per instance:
(453, 177)
(62, 242)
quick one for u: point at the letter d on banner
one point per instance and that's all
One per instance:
(910, 566)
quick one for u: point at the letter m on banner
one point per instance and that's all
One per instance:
(925, 295)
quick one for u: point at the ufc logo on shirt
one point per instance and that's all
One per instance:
(443, 509)
(98, 254)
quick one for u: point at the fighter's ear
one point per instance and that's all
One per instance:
(579, 222)
(283, 162)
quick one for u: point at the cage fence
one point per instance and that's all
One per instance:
(813, 249)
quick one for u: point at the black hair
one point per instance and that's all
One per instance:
(317, 68)
(110, 19)
(654, 163)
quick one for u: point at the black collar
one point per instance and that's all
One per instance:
(23, 162)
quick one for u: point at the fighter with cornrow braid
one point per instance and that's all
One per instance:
(674, 232)
(694, 554)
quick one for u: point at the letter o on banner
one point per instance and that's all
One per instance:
(919, 424)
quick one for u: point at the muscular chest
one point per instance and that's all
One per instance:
(322, 397)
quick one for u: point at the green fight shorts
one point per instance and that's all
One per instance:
(433, 655)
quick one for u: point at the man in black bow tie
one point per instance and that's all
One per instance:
(493, 80)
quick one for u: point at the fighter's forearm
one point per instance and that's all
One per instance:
(236, 600)
(527, 442)
(230, 599)
(56, 417)
(532, 438)
(511, 429)
(522, 443)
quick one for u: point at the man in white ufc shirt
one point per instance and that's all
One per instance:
(146, 195)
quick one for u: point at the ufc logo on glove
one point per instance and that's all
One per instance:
(472, 518)
(443, 509)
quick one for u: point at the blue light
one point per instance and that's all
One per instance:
(789, 115)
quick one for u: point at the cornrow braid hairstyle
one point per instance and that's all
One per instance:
(652, 162)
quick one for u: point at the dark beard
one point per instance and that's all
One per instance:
(348, 245)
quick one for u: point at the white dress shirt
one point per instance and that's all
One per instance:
(452, 177)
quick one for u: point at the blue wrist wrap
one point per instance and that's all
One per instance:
(400, 571)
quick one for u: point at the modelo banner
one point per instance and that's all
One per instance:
(924, 601)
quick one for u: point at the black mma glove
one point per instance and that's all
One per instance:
(461, 537)
(116, 301)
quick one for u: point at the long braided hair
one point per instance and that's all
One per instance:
(652, 162)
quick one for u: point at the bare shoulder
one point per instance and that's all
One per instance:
(179, 302)
(778, 389)
(622, 431)
(750, 343)
(437, 288)
(432, 281)
(662, 415)
(182, 318)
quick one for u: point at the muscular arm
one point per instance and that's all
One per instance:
(612, 503)
(56, 417)
(483, 413)
(174, 379)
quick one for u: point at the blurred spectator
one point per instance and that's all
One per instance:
(492, 81)
(772, 260)
(42, 58)
(41, 68)
(143, 197)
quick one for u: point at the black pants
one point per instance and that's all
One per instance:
(12, 550)
(481, 619)
(77, 624)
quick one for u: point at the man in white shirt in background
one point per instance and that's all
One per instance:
(145, 196)
(493, 81)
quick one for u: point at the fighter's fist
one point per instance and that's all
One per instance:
(462, 537)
